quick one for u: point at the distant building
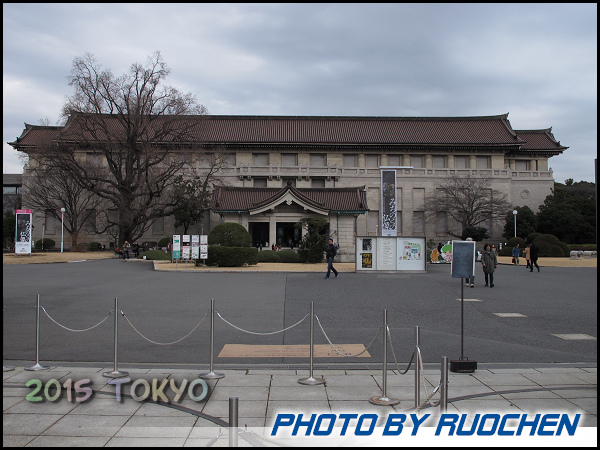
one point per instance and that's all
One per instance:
(283, 168)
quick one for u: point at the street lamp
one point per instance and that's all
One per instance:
(62, 228)
(515, 215)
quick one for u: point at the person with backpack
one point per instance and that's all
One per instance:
(330, 252)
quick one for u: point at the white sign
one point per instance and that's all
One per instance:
(400, 253)
(203, 246)
(195, 246)
(23, 232)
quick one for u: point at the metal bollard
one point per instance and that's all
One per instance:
(233, 421)
(444, 387)
(37, 365)
(384, 400)
(211, 374)
(417, 368)
(311, 380)
(116, 373)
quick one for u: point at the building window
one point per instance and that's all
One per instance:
(416, 161)
(373, 224)
(522, 165)
(441, 223)
(394, 160)
(461, 162)
(260, 159)
(418, 222)
(158, 227)
(372, 160)
(289, 159)
(317, 182)
(483, 162)
(349, 160)
(318, 159)
(259, 182)
(10, 190)
(439, 162)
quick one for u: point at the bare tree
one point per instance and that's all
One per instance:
(49, 189)
(469, 200)
(138, 134)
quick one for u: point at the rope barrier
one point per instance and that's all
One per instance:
(400, 372)
(163, 343)
(70, 329)
(257, 333)
(346, 355)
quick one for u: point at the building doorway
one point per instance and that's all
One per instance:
(288, 235)
(259, 231)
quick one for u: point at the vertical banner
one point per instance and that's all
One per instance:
(23, 232)
(203, 246)
(176, 246)
(388, 203)
(195, 246)
(185, 251)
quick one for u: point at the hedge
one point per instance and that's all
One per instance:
(48, 244)
(230, 256)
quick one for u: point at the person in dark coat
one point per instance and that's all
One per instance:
(533, 255)
(330, 252)
(489, 261)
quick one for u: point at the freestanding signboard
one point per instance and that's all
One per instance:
(195, 246)
(23, 232)
(463, 259)
(203, 246)
(176, 246)
(185, 253)
(390, 253)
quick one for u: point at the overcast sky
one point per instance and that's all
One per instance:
(537, 62)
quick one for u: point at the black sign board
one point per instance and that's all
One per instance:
(463, 259)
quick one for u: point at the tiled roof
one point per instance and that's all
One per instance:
(539, 140)
(36, 136)
(347, 130)
(233, 199)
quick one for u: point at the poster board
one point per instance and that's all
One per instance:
(23, 232)
(390, 254)
(463, 259)
(176, 246)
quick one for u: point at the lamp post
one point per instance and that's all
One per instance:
(515, 216)
(62, 228)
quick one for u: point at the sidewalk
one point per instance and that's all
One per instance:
(264, 391)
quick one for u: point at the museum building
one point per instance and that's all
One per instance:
(284, 168)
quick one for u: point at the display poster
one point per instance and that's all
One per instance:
(410, 254)
(195, 246)
(23, 232)
(185, 250)
(176, 246)
(388, 203)
(388, 253)
(203, 246)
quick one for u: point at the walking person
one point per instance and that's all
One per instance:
(489, 262)
(330, 252)
(527, 257)
(533, 254)
(516, 253)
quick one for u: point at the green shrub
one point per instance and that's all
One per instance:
(268, 256)
(164, 242)
(532, 237)
(507, 249)
(229, 234)
(549, 250)
(222, 256)
(289, 256)
(155, 255)
(93, 246)
(48, 244)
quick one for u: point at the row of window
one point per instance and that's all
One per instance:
(11, 190)
(416, 161)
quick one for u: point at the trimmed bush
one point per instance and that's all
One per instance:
(221, 256)
(155, 255)
(289, 256)
(48, 244)
(507, 249)
(164, 242)
(269, 256)
(230, 234)
(549, 250)
(93, 246)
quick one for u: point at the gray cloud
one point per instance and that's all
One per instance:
(537, 62)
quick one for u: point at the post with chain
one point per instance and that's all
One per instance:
(233, 421)
(211, 374)
(116, 373)
(444, 385)
(384, 400)
(37, 365)
(311, 380)
(417, 367)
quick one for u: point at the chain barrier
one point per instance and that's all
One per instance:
(346, 355)
(161, 343)
(70, 329)
(257, 333)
